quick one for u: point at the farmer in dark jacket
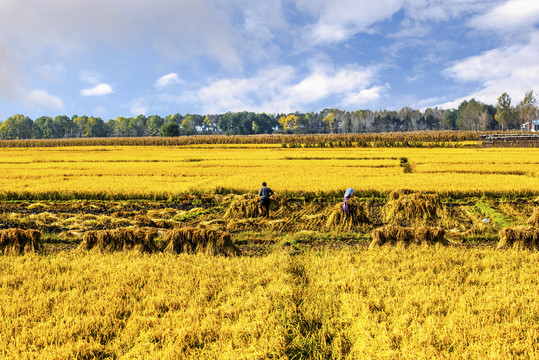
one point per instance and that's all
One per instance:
(265, 193)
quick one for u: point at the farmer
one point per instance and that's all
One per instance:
(347, 196)
(265, 193)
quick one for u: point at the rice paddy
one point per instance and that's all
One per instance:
(162, 252)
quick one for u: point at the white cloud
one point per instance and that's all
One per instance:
(169, 79)
(513, 15)
(90, 77)
(513, 69)
(138, 106)
(337, 20)
(365, 96)
(42, 99)
(445, 10)
(98, 90)
(281, 89)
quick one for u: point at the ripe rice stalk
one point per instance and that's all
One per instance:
(315, 221)
(236, 225)
(534, 218)
(248, 206)
(164, 224)
(144, 221)
(70, 235)
(393, 235)
(194, 240)
(338, 218)
(215, 224)
(245, 206)
(122, 239)
(404, 207)
(519, 238)
(18, 241)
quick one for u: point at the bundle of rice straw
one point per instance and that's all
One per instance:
(339, 219)
(195, 240)
(534, 218)
(393, 235)
(519, 237)
(18, 241)
(405, 207)
(248, 206)
(122, 239)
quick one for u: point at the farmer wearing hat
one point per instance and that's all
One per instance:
(345, 206)
(265, 193)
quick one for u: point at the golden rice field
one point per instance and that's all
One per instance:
(305, 285)
(393, 303)
(139, 171)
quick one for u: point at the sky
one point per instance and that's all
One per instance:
(160, 57)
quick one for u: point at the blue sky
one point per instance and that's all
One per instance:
(129, 57)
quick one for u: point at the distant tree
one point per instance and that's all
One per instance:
(63, 127)
(289, 122)
(137, 126)
(170, 128)
(504, 111)
(122, 126)
(449, 120)
(527, 108)
(470, 115)
(44, 128)
(177, 118)
(95, 127)
(263, 124)
(329, 120)
(17, 127)
(154, 124)
(188, 125)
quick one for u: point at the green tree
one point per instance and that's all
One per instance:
(95, 127)
(17, 127)
(471, 116)
(504, 111)
(63, 127)
(170, 128)
(44, 128)
(137, 126)
(154, 124)
(188, 125)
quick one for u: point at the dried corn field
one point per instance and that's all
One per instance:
(161, 252)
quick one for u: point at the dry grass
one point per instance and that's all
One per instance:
(194, 240)
(18, 241)
(397, 235)
(519, 237)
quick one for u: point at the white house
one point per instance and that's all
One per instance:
(534, 126)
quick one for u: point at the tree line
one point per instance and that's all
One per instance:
(470, 115)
